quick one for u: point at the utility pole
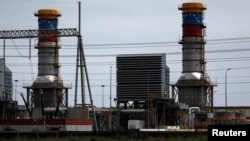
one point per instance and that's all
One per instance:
(226, 93)
(110, 96)
(102, 95)
(16, 100)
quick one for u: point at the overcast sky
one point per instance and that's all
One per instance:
(113, 27)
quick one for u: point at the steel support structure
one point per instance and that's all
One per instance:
(35, 33)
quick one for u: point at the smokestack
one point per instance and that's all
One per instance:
(48, 86)
(193, 87)
(193, 63)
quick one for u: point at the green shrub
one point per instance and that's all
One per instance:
(8, 128)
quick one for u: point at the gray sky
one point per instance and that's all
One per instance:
(108, 25)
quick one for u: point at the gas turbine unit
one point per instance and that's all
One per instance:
(194, 87)
(48, 90)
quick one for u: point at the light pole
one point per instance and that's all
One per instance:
(226, 91)
(102, 95)
(110, 98)
(15, 99)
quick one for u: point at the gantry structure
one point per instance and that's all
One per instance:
(35, 33)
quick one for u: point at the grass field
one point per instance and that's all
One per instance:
(117, 138)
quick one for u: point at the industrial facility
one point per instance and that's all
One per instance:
(140, 79)
(145, 98)
(46, 99)
(6, 85)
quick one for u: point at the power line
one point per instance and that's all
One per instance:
(150, 44)
(170, 53)
(100, 54)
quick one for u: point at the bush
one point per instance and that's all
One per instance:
(8, 128)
